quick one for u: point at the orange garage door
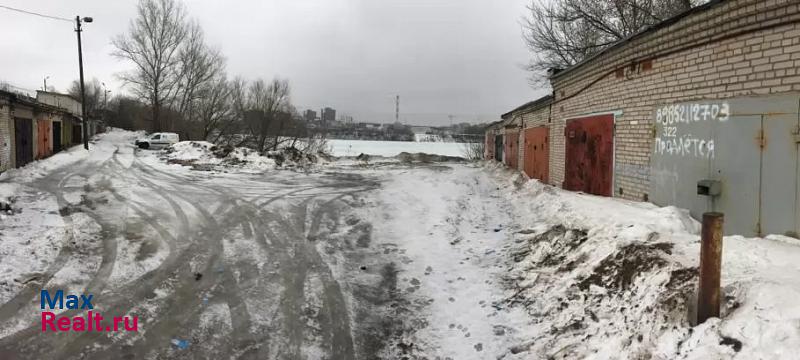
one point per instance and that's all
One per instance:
(537, 153)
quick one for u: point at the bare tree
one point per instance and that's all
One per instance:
(94, 95)
(215, 110)
(200, 69)
(561, 33)
(153, 43)
(265, 104)
(473, 151)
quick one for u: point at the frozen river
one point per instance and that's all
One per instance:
(392, 148)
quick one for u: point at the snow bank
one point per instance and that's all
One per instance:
(611, 279)
(204, 155)
(207, 156)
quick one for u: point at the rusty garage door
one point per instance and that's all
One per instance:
(589, 154)
(537, 153)
(43, 138)
(489, 151)
(737, 156)
(512, 148)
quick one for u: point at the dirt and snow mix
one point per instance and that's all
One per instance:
(207, 156)
(203, 155)
(609, 279)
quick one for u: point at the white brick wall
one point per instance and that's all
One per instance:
(735, 48)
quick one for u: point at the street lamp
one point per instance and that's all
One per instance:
(78, 30)
(105, 96)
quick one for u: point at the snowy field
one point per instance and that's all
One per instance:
(245, 258)
(392, 148)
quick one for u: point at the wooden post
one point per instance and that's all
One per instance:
(708, 298)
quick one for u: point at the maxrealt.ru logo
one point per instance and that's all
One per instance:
(90, 322)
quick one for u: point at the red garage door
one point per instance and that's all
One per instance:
(537, 153)
(512, 148)
(590, 154)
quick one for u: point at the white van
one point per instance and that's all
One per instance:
(157, 140)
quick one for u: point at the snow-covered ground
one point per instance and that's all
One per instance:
(390, 259)
(392, 148)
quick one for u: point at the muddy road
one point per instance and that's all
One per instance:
(213, 265)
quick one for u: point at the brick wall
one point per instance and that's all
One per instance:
(723, 50)
(6, 132)
(529, 118)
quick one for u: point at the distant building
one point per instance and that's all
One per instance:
(366, 125)
(328, 115)
(68, 103)
(63, 101)
(346, 119)
(421, 129)
(310, 115)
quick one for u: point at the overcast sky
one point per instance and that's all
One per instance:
(460, 57)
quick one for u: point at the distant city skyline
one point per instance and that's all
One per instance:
(464, 57)
(418, 119)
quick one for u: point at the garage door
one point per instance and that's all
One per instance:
(590, 154)
(537, 153)
(489, 151)
(498, 147)
(23, 141)
(512, 148)
(749, 146)
(43, 138)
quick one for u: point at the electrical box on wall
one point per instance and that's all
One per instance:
(709, 187)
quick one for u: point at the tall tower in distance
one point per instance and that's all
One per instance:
(397, 110)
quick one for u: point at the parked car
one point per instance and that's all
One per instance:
(157, 140)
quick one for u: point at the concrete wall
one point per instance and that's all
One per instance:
(729, 49)
(63, 101)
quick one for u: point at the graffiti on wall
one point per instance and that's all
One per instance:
(675, 136)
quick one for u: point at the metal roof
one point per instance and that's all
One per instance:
(531, 105)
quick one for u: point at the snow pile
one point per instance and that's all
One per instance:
(204, 155)
(611, 279)
(8, 192)
(196, 151)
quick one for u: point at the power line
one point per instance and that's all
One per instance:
(35, 13)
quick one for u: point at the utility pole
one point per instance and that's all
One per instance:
(45, 83)
(105, 103)
(83, 90)
(105, 96)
